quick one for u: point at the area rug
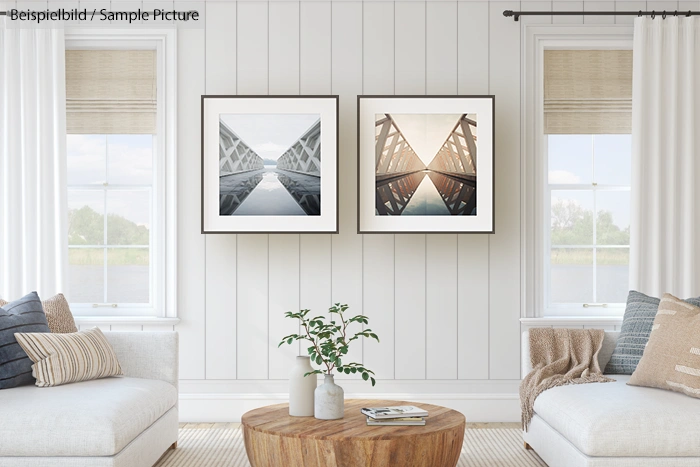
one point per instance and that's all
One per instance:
(212, 447)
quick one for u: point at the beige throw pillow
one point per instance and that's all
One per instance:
(58, 314)
(67, 358)
(671, 358)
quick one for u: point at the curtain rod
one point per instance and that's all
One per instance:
(517, 14)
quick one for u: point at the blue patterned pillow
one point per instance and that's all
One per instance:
(23, 315)
(634, 335)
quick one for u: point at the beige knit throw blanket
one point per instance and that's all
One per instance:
(560, 357)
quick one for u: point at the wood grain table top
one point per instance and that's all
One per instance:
(275, 419)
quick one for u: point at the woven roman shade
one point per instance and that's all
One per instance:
(588, 91)
(111, 91)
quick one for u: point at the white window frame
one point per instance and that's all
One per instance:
(163, 247)
(534, 175)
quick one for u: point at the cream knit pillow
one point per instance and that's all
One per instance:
(58, 314)
(671, 359)
(68, 358)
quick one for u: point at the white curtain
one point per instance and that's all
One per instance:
(665, 222)
(33, 206)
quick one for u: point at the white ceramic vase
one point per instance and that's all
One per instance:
(301, 389)
(329, 401)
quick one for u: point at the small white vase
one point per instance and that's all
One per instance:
(301, 389)
(329, 401)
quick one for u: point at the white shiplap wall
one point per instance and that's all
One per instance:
(446, 307)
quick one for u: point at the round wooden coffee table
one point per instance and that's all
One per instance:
(273, 438)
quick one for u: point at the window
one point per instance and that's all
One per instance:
(586, 153)
(588, 196)
(120, 173)
(576, 177)
(110, 219)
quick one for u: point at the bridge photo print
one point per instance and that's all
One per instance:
(429, 167)
(274, 169)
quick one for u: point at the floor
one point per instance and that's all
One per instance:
(222, 445)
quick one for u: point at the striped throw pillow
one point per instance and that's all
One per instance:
(671, 359)
(68, 358)
(23, 315)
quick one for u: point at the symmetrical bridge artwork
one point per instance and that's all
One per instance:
(425, 164)
(275, 170)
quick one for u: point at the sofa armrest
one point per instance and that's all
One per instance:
(149, 355)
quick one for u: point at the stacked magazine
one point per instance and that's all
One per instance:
(402, 415)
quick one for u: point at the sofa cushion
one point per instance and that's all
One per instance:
(671, 359)
(69, 357)
(91, 418)
(634, 335)
(23, 315)
(58, 314)
(617, 420)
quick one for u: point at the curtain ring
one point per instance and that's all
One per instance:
(640, 14)
(688, 15)
(675, 13)
(653, 14)
(664, 15)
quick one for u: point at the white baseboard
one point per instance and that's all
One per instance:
(229, 407)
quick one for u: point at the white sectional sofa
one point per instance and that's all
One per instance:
(125, 421)
(612, 424)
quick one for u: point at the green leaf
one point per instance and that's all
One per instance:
(319, 360)
(373, 381)
(337, 361)
(354, 370)
(347, 370)
(290, 340)
(365, 376)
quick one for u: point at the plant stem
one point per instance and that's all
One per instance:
(318, 351)
(345, 325)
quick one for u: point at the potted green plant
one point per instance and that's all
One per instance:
(330, 339)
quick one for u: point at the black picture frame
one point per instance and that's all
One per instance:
(206, 193)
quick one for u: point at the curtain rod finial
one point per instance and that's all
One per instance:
(509, 13)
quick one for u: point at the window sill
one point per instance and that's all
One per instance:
(572, 321)
(127, 320)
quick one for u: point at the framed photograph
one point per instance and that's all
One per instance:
(425, 164)
(269, 164)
